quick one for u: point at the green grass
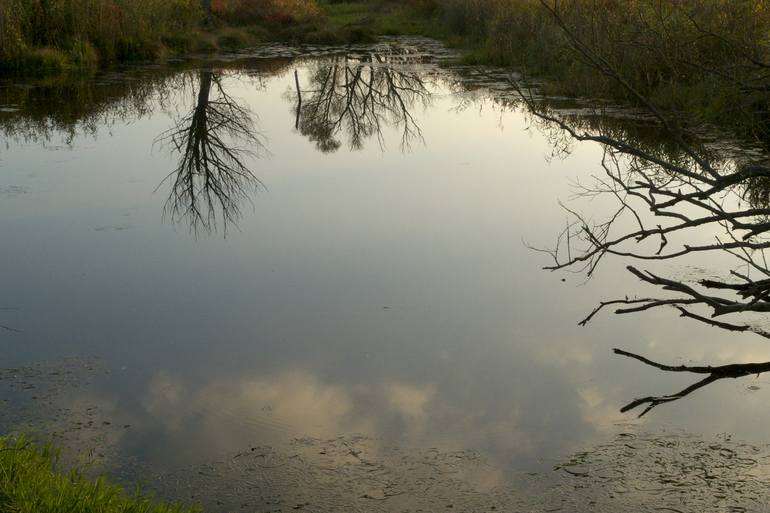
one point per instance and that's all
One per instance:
(31, 481)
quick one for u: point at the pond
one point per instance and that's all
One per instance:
(308, 279)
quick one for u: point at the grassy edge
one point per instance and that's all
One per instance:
(32, 481)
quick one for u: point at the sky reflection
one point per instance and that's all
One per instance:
(378, 290)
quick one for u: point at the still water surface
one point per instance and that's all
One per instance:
(346, 287)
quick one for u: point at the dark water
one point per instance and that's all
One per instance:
(265, 302)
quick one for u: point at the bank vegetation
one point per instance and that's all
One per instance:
(702, 61)
(76, 34)
(32, 481)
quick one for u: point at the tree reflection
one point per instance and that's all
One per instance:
(214, 141)
(682, 203)
(360, 95)
(355, 96)
(34, 111)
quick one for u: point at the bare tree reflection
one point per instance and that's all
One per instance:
(360, 95)
(214, 141)
(681, 203)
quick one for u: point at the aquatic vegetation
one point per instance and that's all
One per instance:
(632, 471)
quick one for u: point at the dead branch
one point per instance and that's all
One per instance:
(735, 370)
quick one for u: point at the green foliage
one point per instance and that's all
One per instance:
(31, 482)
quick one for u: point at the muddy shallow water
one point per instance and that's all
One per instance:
(266, 301)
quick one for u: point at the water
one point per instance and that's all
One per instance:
(350, 289)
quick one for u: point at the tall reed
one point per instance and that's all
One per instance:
(111, 29)
(704, 58)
